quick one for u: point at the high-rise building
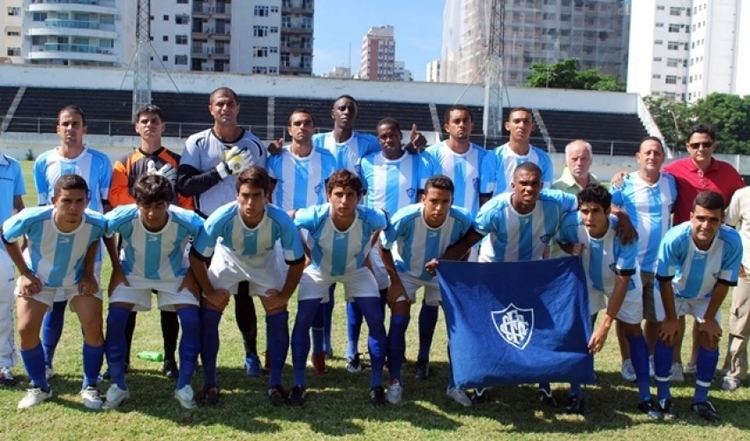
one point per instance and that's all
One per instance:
(688, 49)
(378, 56)
(534, 31)
(432, 71)
(338, 72)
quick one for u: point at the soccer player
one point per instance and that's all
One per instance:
(253, 240)
(610, 267)
(70, 157)
(11, 190)
(648, 197)
(62, 241)
(698, 261)
(149, 158)
(518, 150)
(342, 233)
(208, 171)
(154, 236)
(421, 233)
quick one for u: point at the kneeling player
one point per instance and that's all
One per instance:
(697, 263)
(610, 267)
(154, 236)
(341, 233)
(62, 241)
(244, 238)
(421, 233)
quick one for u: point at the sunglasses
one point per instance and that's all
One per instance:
(697, 145)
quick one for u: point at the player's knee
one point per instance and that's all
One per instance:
(631, 329)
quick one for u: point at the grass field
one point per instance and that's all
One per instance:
(337, 402)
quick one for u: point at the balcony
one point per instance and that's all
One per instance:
(75, 28)
(91, 6)
(78, 52)
(206, 10)
(296, 29)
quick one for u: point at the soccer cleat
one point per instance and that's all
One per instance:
(91, 398)
(545, 397)
(252, 366)
(6, 377)
(706, 410)
(576, 405)
(627, 371)
(677, 373)
(650, 408)
(423, 370)
(319, 363)
(115, 397)
(297, 396)
(49, 372)
(690, 368)
(169, 369)
(395, 392)
(277, 395)
(730, 384)
(353, 364)
(377, 396)
(667, 410)
(208, 396)
(33, 397)
(185, 397)
(480, 395)
(459, 396)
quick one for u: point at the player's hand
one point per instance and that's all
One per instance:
(117, 278)
(235, 159)
(88, 286)
(618, 179)
(395, 292)
(168, 172)
(274, 147)
(431, 266)
(150, 167)
(29, 284)
(598, 338)
(668, 330)
(189, 283)
(417, 141)
(710, 328)
(218, 298)
(274, 301)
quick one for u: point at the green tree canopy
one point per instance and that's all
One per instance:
(566, 74)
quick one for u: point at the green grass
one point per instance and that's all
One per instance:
(337, 404)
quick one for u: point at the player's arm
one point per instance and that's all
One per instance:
(28, 283)
(670, 326)
(117, 276)
(458, 250)
(599, 337)
(191, 182)
(217, 298)
(119, 193)
(18, 203)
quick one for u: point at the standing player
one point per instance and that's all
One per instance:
(154, 236)
(149, 158)
(62, 240)
(208, 173)
(697, 263)
(610, 266)
(342, 233)
(518, 150)
(70, 157)
(246, 239)
(11, 190)
(421, 233)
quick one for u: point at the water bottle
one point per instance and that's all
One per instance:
(151, 356)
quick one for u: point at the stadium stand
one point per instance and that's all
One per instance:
(608, 133)
(6, 97)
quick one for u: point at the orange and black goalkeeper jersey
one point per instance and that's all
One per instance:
(128, 168)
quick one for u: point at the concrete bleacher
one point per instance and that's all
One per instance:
(608, 133)
(6, 97)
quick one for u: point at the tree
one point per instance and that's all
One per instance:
(566, 74)
(672, 117)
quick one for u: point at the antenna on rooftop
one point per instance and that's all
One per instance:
(493, 73)
(142, 68)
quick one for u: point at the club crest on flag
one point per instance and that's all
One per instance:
(515, 325)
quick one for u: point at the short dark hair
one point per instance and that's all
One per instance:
(710, 200)
(254, 176)
(521, 109)
(528, 166)
(461, 107)
(344, 178)
(301, 110)
(149, 108)
(651, 138)
(223, 89)
(702, 128)
(597, 194)
(349, 97)
(149, 189)
(389, 121)
(70, 182)
(72, 108)
(441, 182)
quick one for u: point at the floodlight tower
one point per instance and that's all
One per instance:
(493, 72)
(142, 68)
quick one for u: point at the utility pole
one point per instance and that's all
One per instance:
(493, 78)
(142, 68)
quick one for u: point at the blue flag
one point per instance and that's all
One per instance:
(517, 322)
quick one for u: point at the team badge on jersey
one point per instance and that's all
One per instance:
(515, 325)
(318, 188)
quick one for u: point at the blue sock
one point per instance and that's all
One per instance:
(327, 320)
(376, 341)
(277, 330)
(428, 317)
(306, 310)
(116, 344)
(397, 344)
(93, 357)
(318, 330)
(639, 358)
(704, 373)
(209, 346)
(52, 327)
(190, 343)
(662, 370)
(575, 390)
(33, 361)
(353, 327)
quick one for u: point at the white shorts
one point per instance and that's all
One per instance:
(695, 307)
(378, 269)
(412, 284)
(227, 270)
(140, 291)
(49, 296)
(631, 310)
(357, 283)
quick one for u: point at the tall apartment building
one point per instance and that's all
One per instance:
(378, 55)
(535, 31)
(432, 71)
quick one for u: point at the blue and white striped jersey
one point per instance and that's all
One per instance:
(348, 153)
(335, 252)
(473, 173)
(417, 243)
(394, 183)
(93, 166)
(649, 207)
(694, 271)
(509, 160)
(300, 181)
(517, 237)
(158, 256)
(55, 257)
(11, 185)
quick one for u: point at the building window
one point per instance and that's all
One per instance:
(656, 76)
(273, 50)
(12, 33)
(657, 59)
(670, 79)
(14, 51)
(673, 45)
(260, 69)
(182, 19)
(180, 39)
(260, 51)
(675, 11)
(165, 58)
(274, 9)
(660, 8)
(180, 59)
(673, 62)
(674, 28)
(658, 42)
(13, 11)
(659, 25)
(260, 31)
(165, 38)
(182, 2)
(261, 11)
(273, 70)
